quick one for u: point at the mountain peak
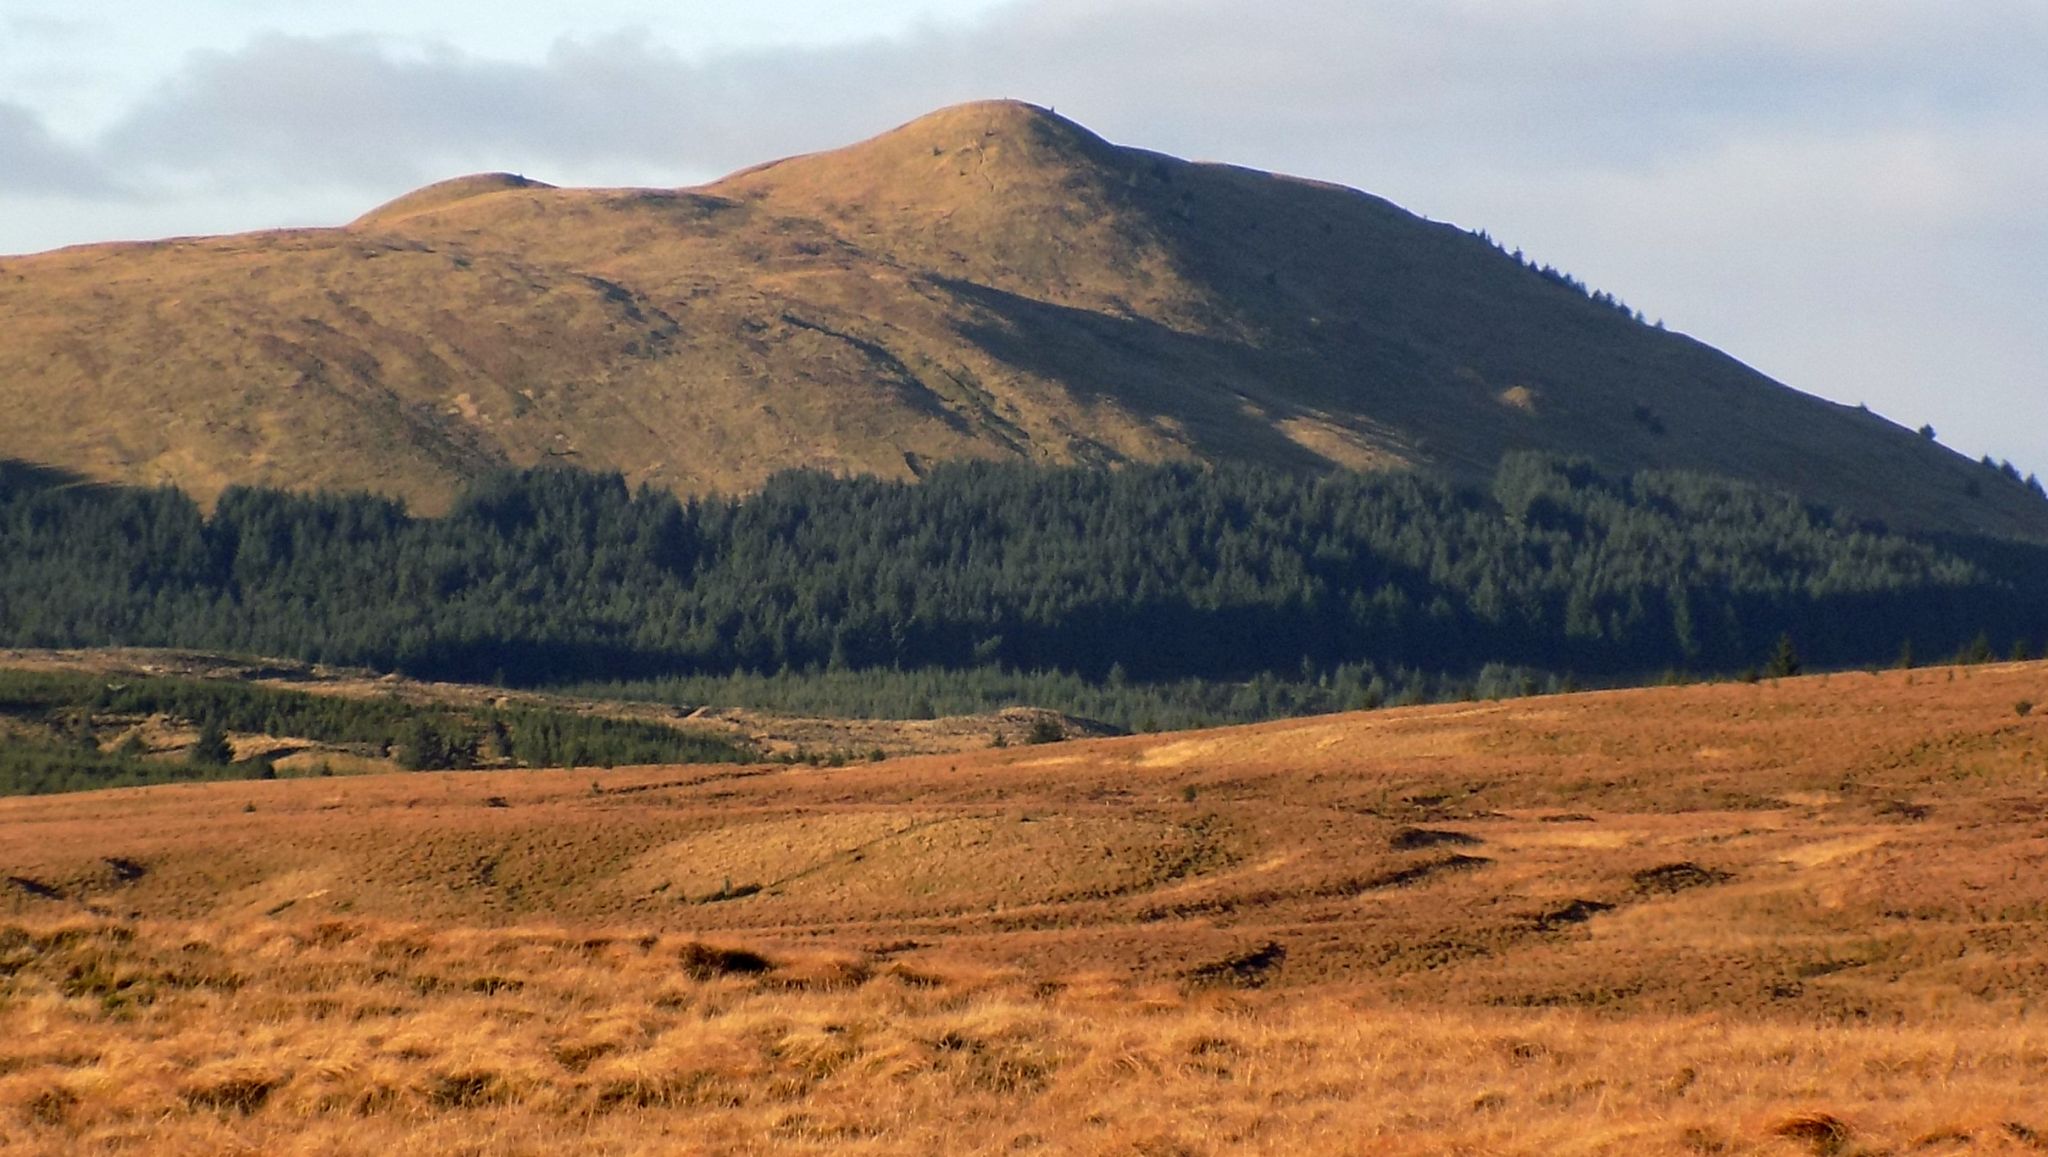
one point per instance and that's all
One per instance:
(1006, 194)
(974, 146)
(442, 194)
(963, 124)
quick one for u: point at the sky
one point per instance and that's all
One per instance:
(1849, 195)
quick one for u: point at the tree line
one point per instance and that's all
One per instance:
(53, 723)
(1142, 577)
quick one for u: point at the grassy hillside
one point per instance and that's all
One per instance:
(1661, 922)
(989, 282)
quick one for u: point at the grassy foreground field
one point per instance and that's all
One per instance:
(1798, 917)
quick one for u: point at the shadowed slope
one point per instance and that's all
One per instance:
(988, 281)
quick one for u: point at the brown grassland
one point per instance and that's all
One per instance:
(1804, 916)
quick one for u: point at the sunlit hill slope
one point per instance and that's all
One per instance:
(989, 281)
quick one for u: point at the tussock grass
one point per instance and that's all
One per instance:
(626, 1044)
(1745, 943)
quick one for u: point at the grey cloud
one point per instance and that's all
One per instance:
(34, 162)
(357, 111)
(323, 111)
(1603, 83)
(1542, 85)
(49, 28)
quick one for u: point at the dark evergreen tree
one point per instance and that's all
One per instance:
(1784, 661)
(423, 748)
(212, 748)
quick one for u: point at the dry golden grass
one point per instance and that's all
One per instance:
(360, 1036)
(1801, 917)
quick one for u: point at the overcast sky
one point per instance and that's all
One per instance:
(1851, 195)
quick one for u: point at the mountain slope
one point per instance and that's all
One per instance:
(990, 281)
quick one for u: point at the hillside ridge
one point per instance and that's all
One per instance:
(990, 281)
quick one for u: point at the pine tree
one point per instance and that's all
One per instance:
(1784, 662)
(212, 747)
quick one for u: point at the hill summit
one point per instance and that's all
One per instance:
(990, 281)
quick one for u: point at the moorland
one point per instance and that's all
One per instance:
(1795, 915)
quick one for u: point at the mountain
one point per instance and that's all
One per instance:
(990, 281)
